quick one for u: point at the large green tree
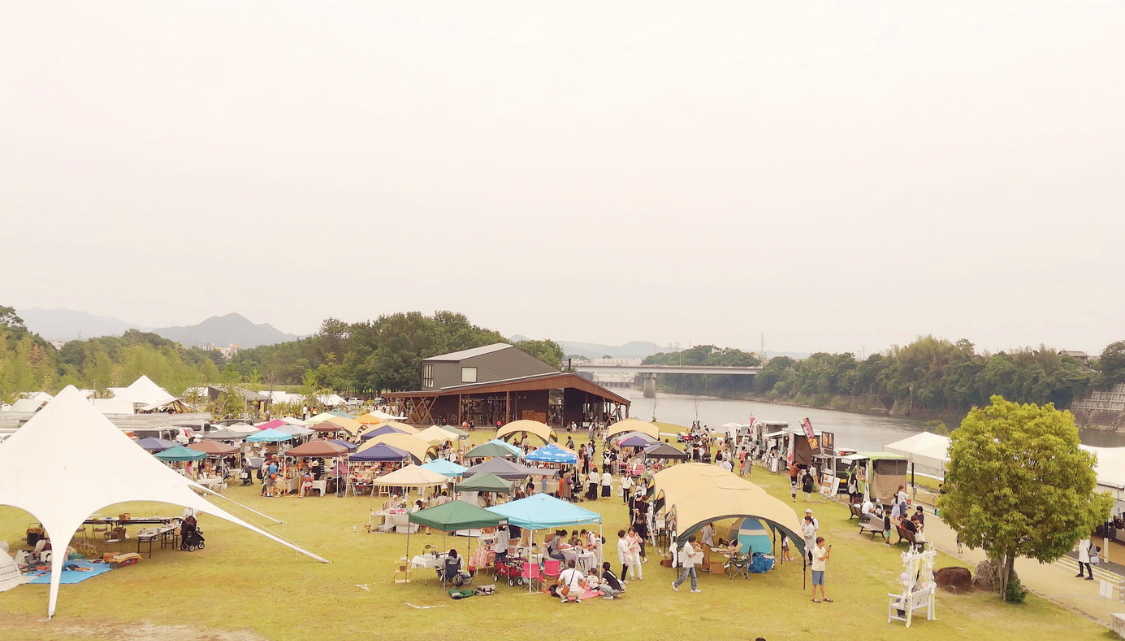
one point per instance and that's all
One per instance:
(1017, 484)
(1111, 365)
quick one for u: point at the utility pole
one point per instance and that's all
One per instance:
(762, 348)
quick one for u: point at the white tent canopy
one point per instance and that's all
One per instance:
(54, 468)
(1110, 472)
(144, 392)
(925, 449)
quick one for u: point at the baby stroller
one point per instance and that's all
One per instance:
(191, 537)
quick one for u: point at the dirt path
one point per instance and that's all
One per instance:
(34, 628)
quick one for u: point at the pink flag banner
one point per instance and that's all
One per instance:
(813, 443)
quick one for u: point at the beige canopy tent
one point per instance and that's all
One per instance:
(413, 476)
(542, 430)
(697, 494)
(402, 427)
(633, 425)
(70, 461)
(435, 434)
(418, 448)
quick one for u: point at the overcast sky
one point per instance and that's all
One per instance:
(839, 176)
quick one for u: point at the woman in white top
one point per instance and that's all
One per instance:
(607, 484)
(626, 486)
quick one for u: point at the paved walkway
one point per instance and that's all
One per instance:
(1054, 581)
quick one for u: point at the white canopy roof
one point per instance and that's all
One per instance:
(1110, 469)
(925, 448)
(54, 468)
(144, 392)
(113, 405)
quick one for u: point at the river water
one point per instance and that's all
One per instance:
(861, 432)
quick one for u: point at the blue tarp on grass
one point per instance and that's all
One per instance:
(73, 576)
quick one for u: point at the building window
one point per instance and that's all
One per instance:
(427, 375)
(468, 374)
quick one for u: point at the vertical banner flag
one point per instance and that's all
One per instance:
(813, 444)
(754, 436)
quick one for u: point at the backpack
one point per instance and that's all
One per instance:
(260, 474)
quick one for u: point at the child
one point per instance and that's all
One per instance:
(307, 485)
(959, 549)
(793, 489)
(785, 549)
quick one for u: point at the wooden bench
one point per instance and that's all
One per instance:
(856, 511)
(905, 535)
(874, 525)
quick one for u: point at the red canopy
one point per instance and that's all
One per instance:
(317, 449)
(214, 448)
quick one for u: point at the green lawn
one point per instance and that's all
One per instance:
(243, 582)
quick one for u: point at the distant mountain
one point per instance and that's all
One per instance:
(632, 349)
(232, 329)
(67, 324)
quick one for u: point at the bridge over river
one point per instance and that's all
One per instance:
(650, 371)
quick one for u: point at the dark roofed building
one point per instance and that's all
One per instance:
(502, 383)
(496, 362)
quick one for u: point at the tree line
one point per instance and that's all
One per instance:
(365, 358)
(930, 375)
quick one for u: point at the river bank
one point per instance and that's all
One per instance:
(854, 427)
(1108, 422)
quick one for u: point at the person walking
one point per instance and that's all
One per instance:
(607, 483)
(808, 483)
(634, 542)
(687, 558)
(820, 555)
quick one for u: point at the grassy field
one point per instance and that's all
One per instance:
(243, 586)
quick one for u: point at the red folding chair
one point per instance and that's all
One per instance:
(552, 569)
(531, 574)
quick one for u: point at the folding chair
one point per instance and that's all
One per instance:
(402, 571)
(532, 574)
(552, 568)
(739, 565)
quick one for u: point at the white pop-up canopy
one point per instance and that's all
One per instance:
(55, 468)
(925, 449)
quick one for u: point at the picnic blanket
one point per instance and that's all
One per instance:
(43, 577)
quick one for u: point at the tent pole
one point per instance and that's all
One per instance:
(245, 507)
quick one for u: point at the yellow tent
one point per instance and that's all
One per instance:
(320, 418)
(418, 448)
(700, 493)
(531, 427)
(435, 434)
(633, 425)
(368, 419)
(349, 425)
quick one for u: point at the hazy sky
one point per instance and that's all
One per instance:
(837, 175)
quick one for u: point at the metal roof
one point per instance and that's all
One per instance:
(550, 380)
(469, 353)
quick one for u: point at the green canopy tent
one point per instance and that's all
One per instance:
(459, 433)
(454, 516)
(489, 450)
(180, 454)
(486, 482)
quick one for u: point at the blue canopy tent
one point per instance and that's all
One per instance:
(545, 512)
(552, 453)
(342, 443)
(635, 441)
(381, 453)
(180, 453)
(156, 444)
(445, 468)
(386, 429)
(269, 436)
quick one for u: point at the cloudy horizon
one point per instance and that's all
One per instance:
(841, 177)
